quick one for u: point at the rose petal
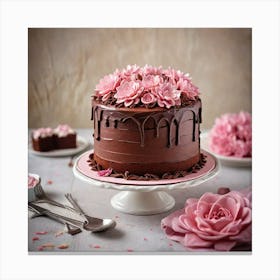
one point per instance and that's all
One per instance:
(224, 245)
(193, 241)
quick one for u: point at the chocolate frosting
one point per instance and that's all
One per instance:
(147, 176)
(146, 140)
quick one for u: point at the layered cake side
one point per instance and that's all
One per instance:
(146, 121)
(65, 137)
(141, 140)
(43, 139)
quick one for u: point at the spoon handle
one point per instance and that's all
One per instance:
(74, 203)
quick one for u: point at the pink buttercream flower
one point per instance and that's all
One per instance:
(42, 132)
(63, 130)
(128, 93)
(150, 70)
(150, 81)
(187, 87)
(231, 135)
(127, 87)
(213, 222)
(107, 85)
(131, 72)
(105, 172)
(148, 98)
(167, 95)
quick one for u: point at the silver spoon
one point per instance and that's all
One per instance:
(91, 224)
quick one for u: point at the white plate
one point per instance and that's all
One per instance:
(82, 143)
(232, 161)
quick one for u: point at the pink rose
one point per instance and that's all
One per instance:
(167, 95)
(213, 222)
(128, 92)
(148, 98)
(231, 135)
(105, 172)
(106, 86)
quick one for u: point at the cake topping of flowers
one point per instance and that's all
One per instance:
(231, 135)
(146, 86)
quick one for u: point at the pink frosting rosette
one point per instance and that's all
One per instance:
(231, 135)
(214, 222)
(146, 86)
(42, 132)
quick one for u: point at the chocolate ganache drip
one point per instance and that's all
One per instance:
(173, 118)
(127, 137)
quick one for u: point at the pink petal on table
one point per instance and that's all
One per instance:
(41, 232)
(48, 245)
(63, 246)
(35, 238)
(59, 233)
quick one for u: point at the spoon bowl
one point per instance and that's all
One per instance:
(97, 226)
(92, 224)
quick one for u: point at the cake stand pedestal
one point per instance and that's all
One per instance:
(144, 197)
(142, 203)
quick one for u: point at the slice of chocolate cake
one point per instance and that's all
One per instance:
(43, 139)
(48, 139)
(65, 137)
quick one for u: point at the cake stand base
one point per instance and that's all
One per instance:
(144, 197)
(143, 203)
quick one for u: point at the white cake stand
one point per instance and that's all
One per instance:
(144, 197)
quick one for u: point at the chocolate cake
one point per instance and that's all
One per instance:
(43, 139)
(146, 121)
(48, 139)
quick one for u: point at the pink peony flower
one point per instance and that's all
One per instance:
(148, 98)
(213, 222)
(231, 135)
(128, 93)
(105, 172)
(106, 86)
(167, 95)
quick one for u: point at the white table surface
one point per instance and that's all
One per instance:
(133, 234)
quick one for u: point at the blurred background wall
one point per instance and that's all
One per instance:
(64, 65)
